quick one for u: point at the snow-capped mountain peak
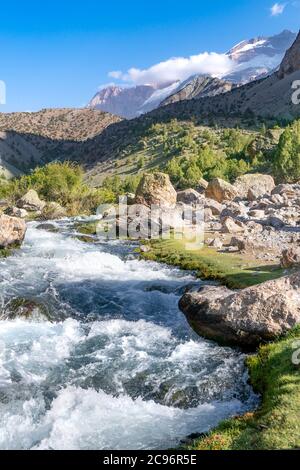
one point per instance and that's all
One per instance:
(251, 59)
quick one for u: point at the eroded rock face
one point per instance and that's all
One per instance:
(246, 318)
(31, 202)
(291, 61)
(156, 189)
(220, 190)
(12, 231)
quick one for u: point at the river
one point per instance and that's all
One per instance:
(117, 367)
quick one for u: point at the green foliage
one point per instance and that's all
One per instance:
(276, 424)
(186, 151)
(117, 186)
(287, 156)
(62, 183)
(59, 182)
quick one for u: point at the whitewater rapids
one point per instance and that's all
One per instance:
(118, 367)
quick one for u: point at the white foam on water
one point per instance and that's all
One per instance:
(87, 419)
(112, 383)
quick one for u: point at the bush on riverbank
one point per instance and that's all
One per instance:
(276, 423)
(62, 183)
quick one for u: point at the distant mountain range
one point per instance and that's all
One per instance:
(252, 59)
(102, 142)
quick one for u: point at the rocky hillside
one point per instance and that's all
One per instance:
(268, 97)
(29, 139)
(199, 87)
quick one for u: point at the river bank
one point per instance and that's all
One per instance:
(275, 425)
(236, 270)
(271, 371)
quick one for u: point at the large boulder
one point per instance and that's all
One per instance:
(12, 231)
(246, 318)
(202, 186)
(53, 211)
(215, 206)
(31, 202)
(229, 225)
(156, 189)
(220, 190)
(290, 257)
(189, 196)
(253, 186)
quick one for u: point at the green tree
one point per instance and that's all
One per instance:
(174, 170)
(287, 155)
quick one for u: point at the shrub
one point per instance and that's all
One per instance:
(287, 155)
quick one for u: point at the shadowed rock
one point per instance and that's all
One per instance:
(246, 318)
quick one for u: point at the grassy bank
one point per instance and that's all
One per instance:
(276, 425)
(232, 270)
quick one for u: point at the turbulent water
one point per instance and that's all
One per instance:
(117, 367)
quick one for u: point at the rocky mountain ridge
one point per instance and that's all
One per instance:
(251, 59)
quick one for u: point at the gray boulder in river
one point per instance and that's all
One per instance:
(248, 317)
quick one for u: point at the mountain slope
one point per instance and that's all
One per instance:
(251, 59)
(30, 139)
(268, 97)
(258, 57)
(198, 87)
(124, 102)
(247, 106)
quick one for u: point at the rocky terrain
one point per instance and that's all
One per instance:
(198, 87)
(253, 217)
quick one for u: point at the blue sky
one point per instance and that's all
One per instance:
(57, 54)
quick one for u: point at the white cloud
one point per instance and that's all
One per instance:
(278, 9)
(178, 68)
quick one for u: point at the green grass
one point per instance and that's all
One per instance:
(276, 424)
(89, 228)
(4, 253)
(232, 270)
